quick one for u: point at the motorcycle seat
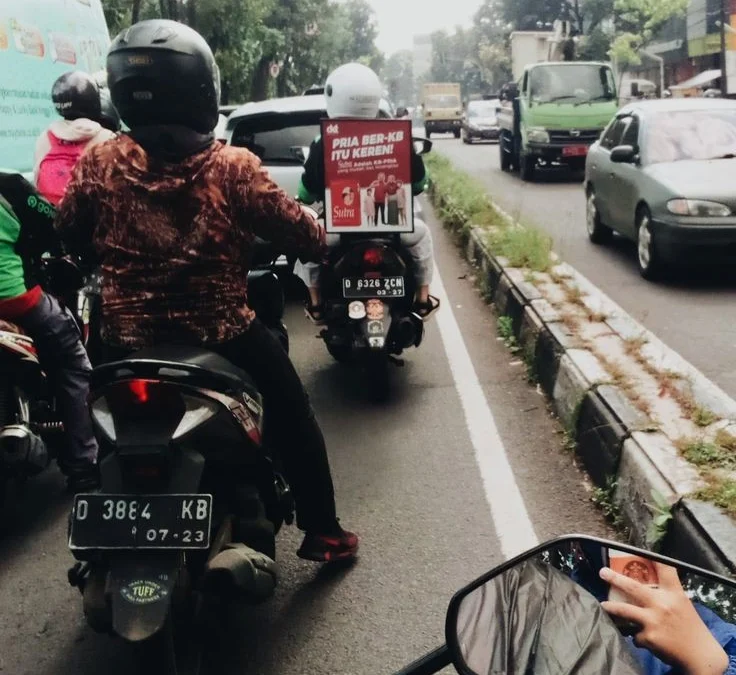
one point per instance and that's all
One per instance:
(182, 364)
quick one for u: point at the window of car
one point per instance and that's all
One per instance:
(631, 133)
(690, 134)
(612, 136)
(276, 137)
(442, 101)
(482, 108)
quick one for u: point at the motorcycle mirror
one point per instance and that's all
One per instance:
(541, 611)
(422, 145)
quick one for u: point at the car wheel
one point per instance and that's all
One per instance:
(650, 264)
(598, 233)
(465, 137)
(527, 165)
(456, 133)
(427, 133)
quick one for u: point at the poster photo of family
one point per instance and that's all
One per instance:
(368, 176)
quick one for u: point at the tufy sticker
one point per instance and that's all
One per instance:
(144, 592)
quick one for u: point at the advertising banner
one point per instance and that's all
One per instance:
(368, 176)
(39, 41)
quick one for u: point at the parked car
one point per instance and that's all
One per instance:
(480, 121)
(662, 174)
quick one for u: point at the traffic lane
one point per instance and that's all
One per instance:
(691, 313)
(406, 480)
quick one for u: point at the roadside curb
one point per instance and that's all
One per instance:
(638, 471)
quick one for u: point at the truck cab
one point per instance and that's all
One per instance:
(442, 108)
(558, 110)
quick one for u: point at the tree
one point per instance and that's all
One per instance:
(307, 38)
(638, 22)
(398, 74)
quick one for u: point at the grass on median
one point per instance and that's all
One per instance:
(463, 203)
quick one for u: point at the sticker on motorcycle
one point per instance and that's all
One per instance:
(144, 592)
(374, 310)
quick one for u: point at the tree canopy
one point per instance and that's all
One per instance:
(306, 38)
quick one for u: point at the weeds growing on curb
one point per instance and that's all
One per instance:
(708, 454)
(462, 203)
(604, 498)
(721, 492)
(661, 511)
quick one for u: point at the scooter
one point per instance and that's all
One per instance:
(541, 613)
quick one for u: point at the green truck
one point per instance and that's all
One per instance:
(554, 113)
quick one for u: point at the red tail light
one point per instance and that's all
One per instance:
(139, 389)
(372, 257)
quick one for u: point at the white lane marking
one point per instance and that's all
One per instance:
(511, 521)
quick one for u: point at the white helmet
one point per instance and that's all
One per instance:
(353, 90)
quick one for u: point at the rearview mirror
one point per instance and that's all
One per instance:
(624, 154)
(422, 145)
(542, 612)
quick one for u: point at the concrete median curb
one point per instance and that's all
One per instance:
(636, 468)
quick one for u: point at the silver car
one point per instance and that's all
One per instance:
(664, 175)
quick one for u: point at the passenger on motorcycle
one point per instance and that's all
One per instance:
(354, 90)
(76, 98)
(171, 215)
(26, 232)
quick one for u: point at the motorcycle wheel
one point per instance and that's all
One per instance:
(177, 648)
(377, 372)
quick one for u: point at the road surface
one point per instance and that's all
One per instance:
(407, 480)
(692, 314)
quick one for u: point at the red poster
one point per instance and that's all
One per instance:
(368, 175)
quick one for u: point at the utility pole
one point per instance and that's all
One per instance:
(725, 19)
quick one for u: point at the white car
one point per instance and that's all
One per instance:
(280, 131)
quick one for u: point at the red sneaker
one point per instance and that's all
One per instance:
(340, 545)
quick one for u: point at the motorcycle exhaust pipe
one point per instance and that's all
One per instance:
(21, 449)
(406, 331)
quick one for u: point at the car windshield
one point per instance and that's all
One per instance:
(485, 109)
(276, 138)
(690, 134)
(442, 101)
(582, 82)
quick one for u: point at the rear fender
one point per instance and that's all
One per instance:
(376, 324)
(140, 590)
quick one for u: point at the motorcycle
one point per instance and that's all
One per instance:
(31, 429)
(368, 285)
(191, 499)
(541, 613)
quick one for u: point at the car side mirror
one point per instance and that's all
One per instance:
(624, 154)
(422, 145)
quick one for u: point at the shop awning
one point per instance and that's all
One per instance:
(699, 80)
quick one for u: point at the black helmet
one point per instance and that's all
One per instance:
(163, 72)
(76, 95)
(109, 117)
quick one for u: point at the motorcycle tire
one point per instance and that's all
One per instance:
(378, 373)
(341, 353)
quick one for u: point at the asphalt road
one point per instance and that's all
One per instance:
(407, 480)
(692, 314)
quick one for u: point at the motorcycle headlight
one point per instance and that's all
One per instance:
(537, 135)
(698, 207)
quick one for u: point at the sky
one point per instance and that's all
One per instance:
(399, 20)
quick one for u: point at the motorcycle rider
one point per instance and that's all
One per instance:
(354, 90)
(26, 232)
(171, 216)
(76, 98)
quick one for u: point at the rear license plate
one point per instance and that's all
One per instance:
(385, 287)
(575, 151)
(101, 521)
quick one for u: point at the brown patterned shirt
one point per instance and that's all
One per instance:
(174, 240)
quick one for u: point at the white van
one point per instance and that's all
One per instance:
(39, 41)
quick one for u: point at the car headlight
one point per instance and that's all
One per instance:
(537, 135)
(697, 207)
